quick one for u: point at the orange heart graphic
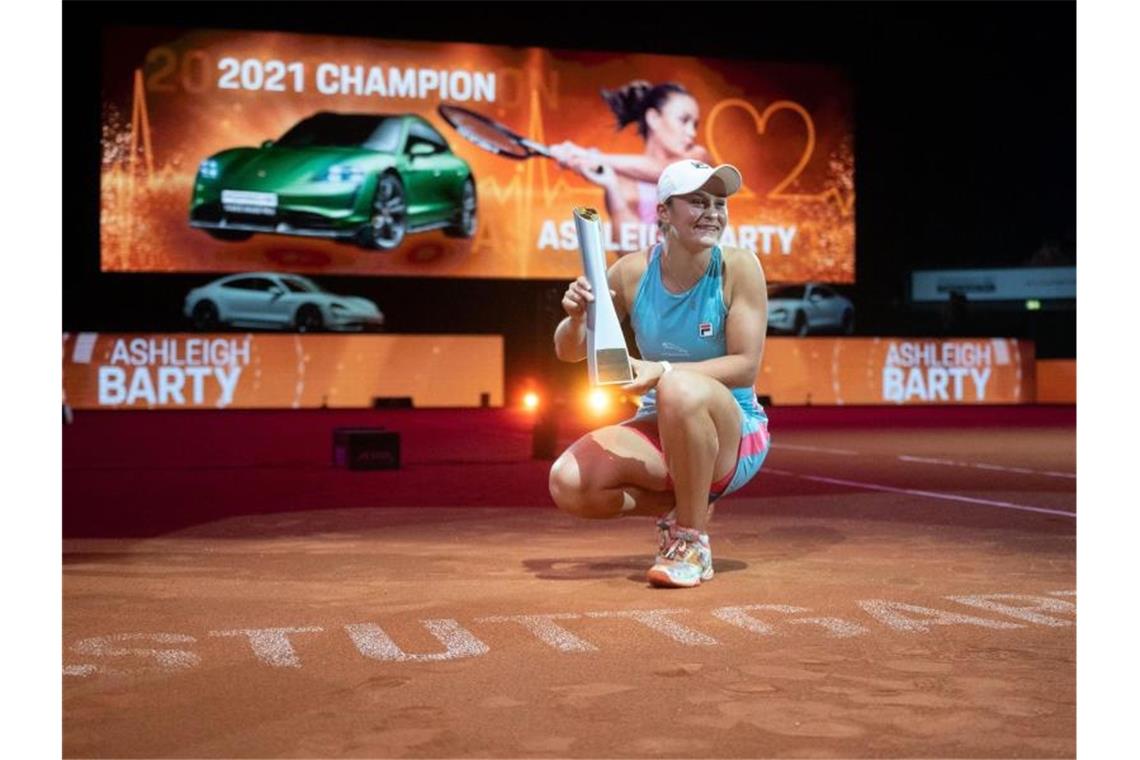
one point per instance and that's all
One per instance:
(761, 122)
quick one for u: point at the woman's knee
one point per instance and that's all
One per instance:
(573, 493)
(681, 393)
(566, 484)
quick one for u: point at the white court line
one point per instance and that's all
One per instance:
(983, 466)
(933, 460)
(846, 452)
(931, 494)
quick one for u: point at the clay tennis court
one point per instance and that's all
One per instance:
(894, 583)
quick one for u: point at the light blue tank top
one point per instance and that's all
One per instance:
(683, 327)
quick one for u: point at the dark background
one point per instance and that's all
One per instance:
(965, 142)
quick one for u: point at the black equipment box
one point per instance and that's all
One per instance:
(366, 449)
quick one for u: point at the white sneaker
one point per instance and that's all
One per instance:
(685, 563)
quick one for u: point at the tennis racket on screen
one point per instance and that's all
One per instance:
(492, 136)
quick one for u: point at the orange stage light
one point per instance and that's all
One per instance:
(530, 401)
(599, 401)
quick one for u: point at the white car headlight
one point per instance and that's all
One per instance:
(343, 174)
(208, 169)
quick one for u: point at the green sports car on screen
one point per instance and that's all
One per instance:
(366, 178)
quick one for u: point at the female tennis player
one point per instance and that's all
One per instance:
(699, 314)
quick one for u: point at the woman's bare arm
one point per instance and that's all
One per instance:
(570, 335)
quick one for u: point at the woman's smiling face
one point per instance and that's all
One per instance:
(698, 218)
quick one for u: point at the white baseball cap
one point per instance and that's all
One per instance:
(689, 175)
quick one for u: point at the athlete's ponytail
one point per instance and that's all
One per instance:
(631, 101)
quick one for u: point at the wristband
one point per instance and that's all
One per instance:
(666, 367)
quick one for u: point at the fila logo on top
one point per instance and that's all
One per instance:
(705, 329)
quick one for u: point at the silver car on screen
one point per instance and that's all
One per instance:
(809, 308)
(270, 300)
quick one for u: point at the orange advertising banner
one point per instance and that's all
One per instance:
(236, 371)
(228, 151)
(835, 371)
(246, 371)
(1057, 381)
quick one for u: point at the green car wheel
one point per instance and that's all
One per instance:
(389, 221)
(467, 220)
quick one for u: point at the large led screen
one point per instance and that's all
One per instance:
(242, 151)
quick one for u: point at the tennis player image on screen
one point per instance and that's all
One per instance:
(667, 117)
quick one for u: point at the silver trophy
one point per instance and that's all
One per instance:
(606, 353)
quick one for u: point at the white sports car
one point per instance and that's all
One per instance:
(272, 300)
(805, 309)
